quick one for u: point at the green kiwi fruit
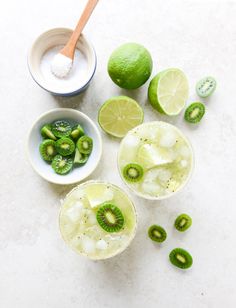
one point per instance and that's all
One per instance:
(47, 149)
(77, 131)
(46, 132)
(62, 165)
(183, 222)
(181, 258)
(133, 172)
(85, 144)
(80, 158)
(61, 128)
(110, 217)
(206, 86)
(157, 233)
(65, 146)
(194, 113)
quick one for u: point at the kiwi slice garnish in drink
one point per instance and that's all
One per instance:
(48, 150)
(183, 222)
(77, 131)
(46, 132)
(61, 128)
(65, 146)
(194, 113)
(133, 172)
(157, 233)
(85, 144)
(80, 158)
(181, 258)
(206, 86)
(62, 165)
(110, 217)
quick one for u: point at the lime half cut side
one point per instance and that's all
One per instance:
(168, 91)
(120, 114)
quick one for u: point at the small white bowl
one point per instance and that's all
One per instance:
(45, 170)
(50, 39)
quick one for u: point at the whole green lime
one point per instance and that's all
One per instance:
(130, 66)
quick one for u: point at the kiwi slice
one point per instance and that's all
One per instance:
(46, 132)
(157, 233)
(80, 158)
(62, 165)
(85, 144)
(61, 128)
(183, 222)
(206, 86)
(181, 258)
(47, 149)
(194, 113)
(110, 217)
(65, 146)
(77, 131)
(133, 172)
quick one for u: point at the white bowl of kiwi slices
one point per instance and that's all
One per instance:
(64, 146)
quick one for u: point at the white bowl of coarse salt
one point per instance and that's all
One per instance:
(41, 55)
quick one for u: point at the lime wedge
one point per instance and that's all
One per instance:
(119, 114)
(168, 91)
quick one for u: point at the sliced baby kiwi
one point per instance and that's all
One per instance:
(46, 132)
(62, 165)
(80, 158)
(183, 222)
(77, 131)
(181, 258)
(194, 112)
(157, 233)
(61, 128)
(110, 217)
(133, 172)
(206, 86)
(85, 144)
(65, 146)
(47, 149)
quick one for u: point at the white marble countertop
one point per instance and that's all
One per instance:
(36, 267)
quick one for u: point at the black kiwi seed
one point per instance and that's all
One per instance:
(47, 149)
(77, 131)
(157, 233)
(46, 132)
(80, 158)
(62, 165)
(61, 128)
(183, 222)
(181, 258)
(110, 217)
(65, 146)
(133, 172)
(85, 144)
(194, 113)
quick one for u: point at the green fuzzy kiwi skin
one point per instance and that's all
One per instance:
(194, 113)
(62, 165)
(181, 258)
(133, 172)
(46, 132)
(65, 146)
(77, 132)
(80, 158)
(85, 144)
(105, 209)
(157, 233)
(47, 149)
(61, 128)
(211, 86)
(183, 222)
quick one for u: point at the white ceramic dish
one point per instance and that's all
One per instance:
(45, 170)
(50, 39)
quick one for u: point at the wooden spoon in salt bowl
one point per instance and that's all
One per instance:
(63, 61)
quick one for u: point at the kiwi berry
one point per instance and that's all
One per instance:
(157, 233)
(85, 144)
(181, 258)
(47, 149)
(65, 146)
(77, 131)
(46, 132)
(110, 217)
(80, 158)
(206, 86)
(183, 222)
(62, 165)
(194, 113)
(61, 128)
(133, 172)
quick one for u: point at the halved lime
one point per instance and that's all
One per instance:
(120, 114)
(168, 91)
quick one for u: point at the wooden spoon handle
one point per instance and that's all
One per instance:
(69, 48)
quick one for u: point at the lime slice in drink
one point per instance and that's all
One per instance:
(120, 114)
(168, 91)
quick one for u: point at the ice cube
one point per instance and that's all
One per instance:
(78, 194)
(151, 188)
(131, 141)
(88, 245)
(101, 245)
(75, 211)
(92, 218)
(98, 195)
(184, 151)
(183, 163)
(165, 175)
(168, 139)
